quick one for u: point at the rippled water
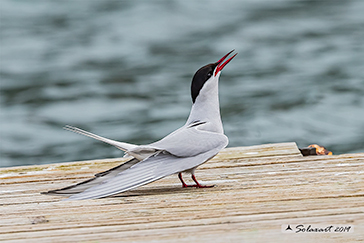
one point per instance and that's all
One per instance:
(122, 69)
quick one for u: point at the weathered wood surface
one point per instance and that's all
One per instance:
(258, 189)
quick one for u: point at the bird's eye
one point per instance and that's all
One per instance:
(209, 74)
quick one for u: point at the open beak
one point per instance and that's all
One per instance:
(221, 64)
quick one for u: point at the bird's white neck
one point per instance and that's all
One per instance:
(207, 108)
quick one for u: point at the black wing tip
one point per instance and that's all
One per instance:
(54, 193)
(51, 192)
(63, 191)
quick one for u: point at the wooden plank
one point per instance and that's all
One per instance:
(258, 188)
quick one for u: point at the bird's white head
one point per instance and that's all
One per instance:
(208, 74)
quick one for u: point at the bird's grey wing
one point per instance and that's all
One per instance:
(190, 141)
(98, 179)
(120, 145)
(151, 169)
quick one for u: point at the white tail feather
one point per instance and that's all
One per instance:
(120, 145)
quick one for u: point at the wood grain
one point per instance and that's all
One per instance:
(258, 189)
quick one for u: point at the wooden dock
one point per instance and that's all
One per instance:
(259, 191)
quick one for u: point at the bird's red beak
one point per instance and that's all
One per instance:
(221, 65)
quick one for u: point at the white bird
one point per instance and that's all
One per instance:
(183, 150)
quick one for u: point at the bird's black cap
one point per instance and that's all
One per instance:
(205, 73)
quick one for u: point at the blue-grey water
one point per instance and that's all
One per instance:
(122, 69)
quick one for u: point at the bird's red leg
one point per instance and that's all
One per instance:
(180, 178)
(194, 179)
(198, 184)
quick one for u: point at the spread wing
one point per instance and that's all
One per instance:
(151, 169)
(98, 179)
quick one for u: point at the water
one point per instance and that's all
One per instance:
(122, 69)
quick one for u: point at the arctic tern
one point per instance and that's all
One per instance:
(183, 150)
